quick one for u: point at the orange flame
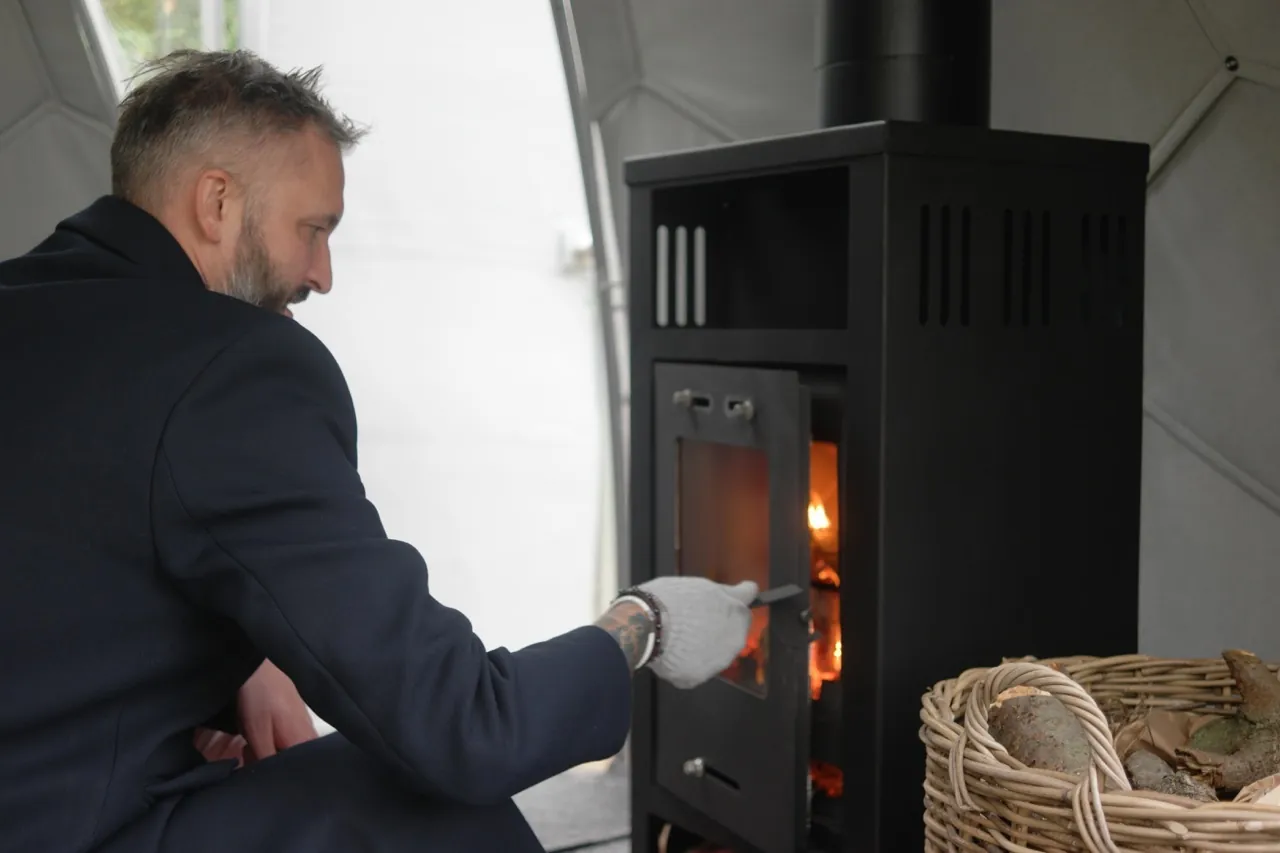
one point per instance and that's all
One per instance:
(826, 651)
(818, 516)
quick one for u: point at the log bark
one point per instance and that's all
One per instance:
(1223, 736)
(1258, 687)
(1149, 772)
(1040, 731)
(1250, 746)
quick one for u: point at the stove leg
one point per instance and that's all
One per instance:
(646, 833)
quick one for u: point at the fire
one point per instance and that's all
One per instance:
(826, 651)
(818, 516)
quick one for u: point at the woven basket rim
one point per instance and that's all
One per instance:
(977, 797)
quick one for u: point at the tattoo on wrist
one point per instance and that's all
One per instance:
(631, 627)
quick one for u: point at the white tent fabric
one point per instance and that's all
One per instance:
(668, 74)
(57, 108)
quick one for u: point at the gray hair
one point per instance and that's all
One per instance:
(211, 108)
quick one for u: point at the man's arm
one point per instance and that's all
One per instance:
(260, 516)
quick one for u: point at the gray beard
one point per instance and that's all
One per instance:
(246, 287)
(253, 280)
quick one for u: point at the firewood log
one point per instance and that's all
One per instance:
(1149, 772)
(1040, 731)
(1234, 754)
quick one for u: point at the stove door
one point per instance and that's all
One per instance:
(732, 491)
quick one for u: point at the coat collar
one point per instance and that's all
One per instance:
(131, 232)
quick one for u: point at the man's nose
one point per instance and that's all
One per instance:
(321, 277)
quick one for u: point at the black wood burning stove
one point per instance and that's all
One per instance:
(901, 367)
(898, 364)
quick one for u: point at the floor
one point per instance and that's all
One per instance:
(585, 810)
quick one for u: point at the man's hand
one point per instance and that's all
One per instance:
(703, 627)
(272, 714)
(219, 746)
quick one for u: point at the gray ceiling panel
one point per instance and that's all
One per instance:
(1251, 27)
(1120, 69)
(645, 122)
(1209, 550)
(23, 86)
(607, 43)
(1213, 315)
(753, 65)
(57, 163)
(65, 40)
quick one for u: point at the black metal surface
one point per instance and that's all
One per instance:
(756, 789)
(907, 60)
(840, 145)
(990, 365)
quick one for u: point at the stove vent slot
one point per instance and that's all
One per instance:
(1027, 277)
(1104, 251)
(682, 276)
(945, 260)
(768, 251)
(680, 271)
(699, 276)
(662, 270)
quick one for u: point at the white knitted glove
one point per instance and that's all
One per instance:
(704, 627)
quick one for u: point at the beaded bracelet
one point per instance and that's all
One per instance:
(655, 612)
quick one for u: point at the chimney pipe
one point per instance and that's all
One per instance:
(907, 60)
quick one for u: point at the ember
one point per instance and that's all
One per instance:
(827, 778)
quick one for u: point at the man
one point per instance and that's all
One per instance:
(180, 502)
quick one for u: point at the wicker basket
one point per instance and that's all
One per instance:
(978, 798)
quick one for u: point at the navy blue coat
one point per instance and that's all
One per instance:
(178, 499)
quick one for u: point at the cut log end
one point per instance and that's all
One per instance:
(1222, 736)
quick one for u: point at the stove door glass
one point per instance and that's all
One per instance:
(724, 535)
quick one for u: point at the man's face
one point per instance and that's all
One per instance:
(282, 251)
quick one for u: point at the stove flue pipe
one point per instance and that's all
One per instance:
(907, 60)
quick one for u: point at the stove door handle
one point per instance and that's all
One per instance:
(773, 596)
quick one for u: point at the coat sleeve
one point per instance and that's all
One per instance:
(260, 517)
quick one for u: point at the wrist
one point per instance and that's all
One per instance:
(653, 610)
(632, 628)
(651, 636)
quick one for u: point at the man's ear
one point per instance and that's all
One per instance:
(215, 205)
